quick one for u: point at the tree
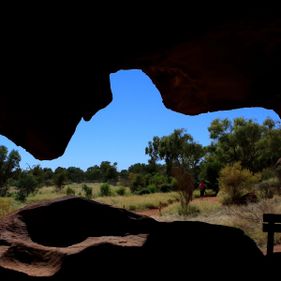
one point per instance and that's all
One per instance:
(93, 173)
(182, 156)
(9, 163)
(60, 177)
(176, 149)
(75, 174)
(255, 146)
(108, 171)
(26, 184)
(185, 185)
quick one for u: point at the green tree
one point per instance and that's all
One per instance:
(60, 177)
(108, 171)
(93, 173)
(26, 184)
(255, 146)
(9, 163)
(176, 149)
(182, 156)
(75, 174)
(48, 176)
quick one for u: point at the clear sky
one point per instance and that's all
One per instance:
(120, 132)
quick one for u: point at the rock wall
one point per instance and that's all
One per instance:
(56, 70)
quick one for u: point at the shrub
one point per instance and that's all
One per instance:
(142, 191)
(152, 188)
(70, 191)
(188, 210)
(121, 191)
(105, 190)
(234, 182)
(88, 192)
(166, 187)
(27, 184)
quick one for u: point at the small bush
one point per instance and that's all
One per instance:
(121, 191)
(188, 210)
(235, 182)
(105, 190)
(88, 192)
(70, 191)
(166, 187)
(152, 188)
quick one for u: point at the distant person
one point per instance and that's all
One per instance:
(202, 188)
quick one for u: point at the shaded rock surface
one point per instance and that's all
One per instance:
(76, 238)
(56, 72)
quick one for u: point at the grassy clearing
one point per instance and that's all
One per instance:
(205, 208)
(140, 202)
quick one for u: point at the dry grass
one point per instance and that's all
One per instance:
(248, 218)
(8, 205)
(140, 202)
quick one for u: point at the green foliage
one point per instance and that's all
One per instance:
(88, 192)
(70, 191)
(234, 182)
(138, 182)
(177, 149)
(108, 172)
(210, 173)
(121, 191)
(167, 187)
(74, 174)
(27, 184)
(60, 178)
(9, 163)
(93, 173)
(105, 190)
(255, 146)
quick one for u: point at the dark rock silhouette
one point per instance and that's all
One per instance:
(76, 238)
(205, 59)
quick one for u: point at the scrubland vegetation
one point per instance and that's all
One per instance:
(240, 167)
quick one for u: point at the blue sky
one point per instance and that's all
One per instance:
(120, 132)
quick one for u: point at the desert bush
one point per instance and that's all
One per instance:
(121, 191)
(235, 182)
(152, 188)
(188, 210)
(105, 189)
(88, 192)
(26, 185)
(70, 191)
(166, 187)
